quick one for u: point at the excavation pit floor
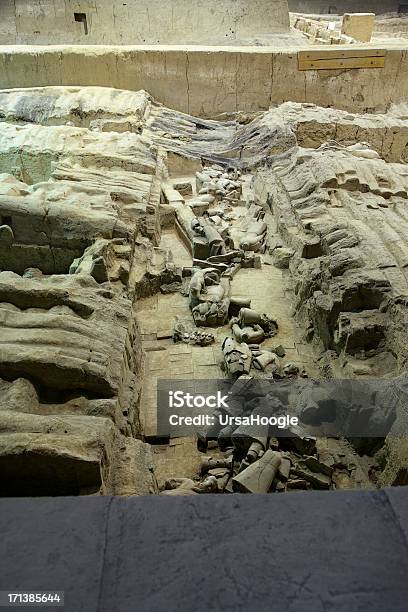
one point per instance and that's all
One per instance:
(270, 292)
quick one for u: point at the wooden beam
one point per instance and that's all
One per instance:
(351, 51)
(341, 60)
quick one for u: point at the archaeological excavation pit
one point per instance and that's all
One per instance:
(173, 214)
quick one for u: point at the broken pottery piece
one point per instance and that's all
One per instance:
(258, 477)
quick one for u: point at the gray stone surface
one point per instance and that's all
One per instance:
(305, 552)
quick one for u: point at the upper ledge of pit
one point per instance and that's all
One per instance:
(103, 49)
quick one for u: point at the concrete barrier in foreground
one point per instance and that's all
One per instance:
(310, 551)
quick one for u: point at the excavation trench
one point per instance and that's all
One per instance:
(268, 286)
(140, 244)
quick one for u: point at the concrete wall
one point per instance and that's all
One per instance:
(344, 6)
(206, 81)
(139, 21)
(312, 551)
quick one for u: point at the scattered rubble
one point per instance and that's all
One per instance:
(277, 466)
(185, 332)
